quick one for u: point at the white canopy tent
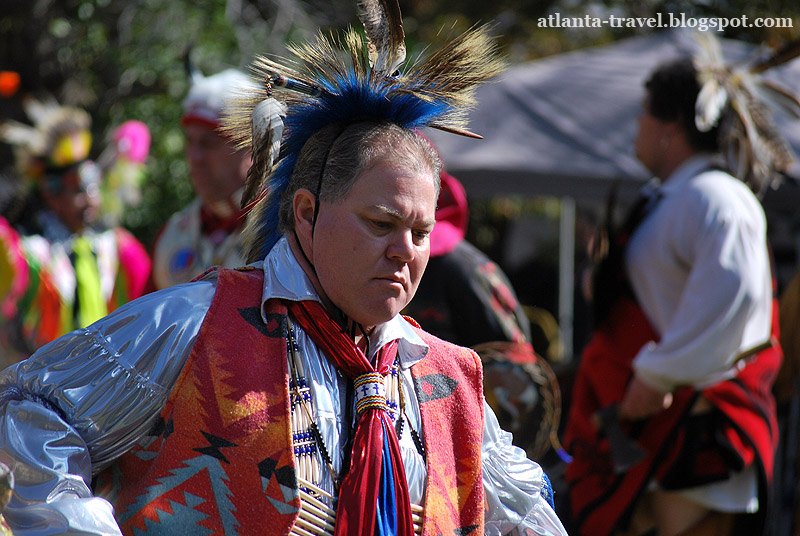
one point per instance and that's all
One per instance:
(565, 125)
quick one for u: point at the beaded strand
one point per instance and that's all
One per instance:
(307, 439)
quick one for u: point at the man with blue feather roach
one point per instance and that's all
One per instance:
(289, 396)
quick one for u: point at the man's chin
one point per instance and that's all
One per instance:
(381, 314)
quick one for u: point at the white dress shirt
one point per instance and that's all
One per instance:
(699, 266)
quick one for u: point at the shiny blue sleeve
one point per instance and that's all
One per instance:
(86, 398)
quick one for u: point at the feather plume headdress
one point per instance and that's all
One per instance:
(344, 80)
(741, 102)
(58, 138)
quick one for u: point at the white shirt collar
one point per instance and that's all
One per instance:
(688, 169)
(285, 279)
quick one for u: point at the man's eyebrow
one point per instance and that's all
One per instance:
(397, 216)
(428, 224)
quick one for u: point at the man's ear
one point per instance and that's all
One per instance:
(303, 204)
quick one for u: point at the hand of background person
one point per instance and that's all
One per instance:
(641, 400)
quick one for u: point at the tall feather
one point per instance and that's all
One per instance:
(193, 73)
(713, 96)
(267, 129)
(784, 54)
(383, 25)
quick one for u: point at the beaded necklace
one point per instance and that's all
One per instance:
(317, 514)
(306, 437)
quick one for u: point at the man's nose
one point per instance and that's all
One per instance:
(194, 152)
(402, 246)
(81, 198)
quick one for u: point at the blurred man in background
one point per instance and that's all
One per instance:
(206, 232)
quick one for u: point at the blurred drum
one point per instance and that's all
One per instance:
(523, 391)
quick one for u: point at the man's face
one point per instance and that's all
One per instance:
(217, 170)
(650, 137)
(73, 196)
(371, 248)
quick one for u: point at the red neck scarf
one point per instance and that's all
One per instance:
(358, 497)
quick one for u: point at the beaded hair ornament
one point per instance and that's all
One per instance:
(742, 102)
(343, 80)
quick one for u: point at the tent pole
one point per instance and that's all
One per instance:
(566, 273)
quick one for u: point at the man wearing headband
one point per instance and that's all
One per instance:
(207, 232)
(61, 269)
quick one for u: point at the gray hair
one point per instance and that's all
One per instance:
(341, 152)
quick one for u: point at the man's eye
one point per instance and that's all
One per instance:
(421, 236)
(382, 225)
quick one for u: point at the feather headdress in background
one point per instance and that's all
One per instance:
(58, 138)
(345, 80)
(749, 140)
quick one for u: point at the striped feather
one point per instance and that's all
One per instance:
(383, 26)
(750, 141)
